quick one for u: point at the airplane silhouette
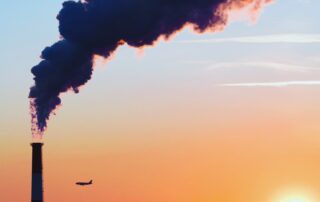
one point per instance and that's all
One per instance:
(84, 183)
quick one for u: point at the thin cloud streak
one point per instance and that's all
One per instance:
(269, 65)
(273, 84)
(279, 38)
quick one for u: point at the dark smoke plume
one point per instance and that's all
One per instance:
(98, 27)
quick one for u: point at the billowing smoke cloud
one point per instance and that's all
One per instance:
(98, 27)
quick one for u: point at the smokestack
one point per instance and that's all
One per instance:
(37, 186)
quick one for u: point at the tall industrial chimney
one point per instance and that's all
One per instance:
(37, 186)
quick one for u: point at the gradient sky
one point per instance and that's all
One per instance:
(225, 117)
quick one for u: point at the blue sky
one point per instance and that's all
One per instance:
(27, 28)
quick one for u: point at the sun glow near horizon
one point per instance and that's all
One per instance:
(295, 196)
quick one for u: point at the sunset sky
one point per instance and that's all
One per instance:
(232, 116)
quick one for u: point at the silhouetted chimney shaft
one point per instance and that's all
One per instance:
(37, 186)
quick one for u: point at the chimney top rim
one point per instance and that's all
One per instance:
(36, 144)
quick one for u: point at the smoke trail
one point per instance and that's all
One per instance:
(98, 27)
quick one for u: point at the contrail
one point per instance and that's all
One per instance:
(273, 84)
(98, 27)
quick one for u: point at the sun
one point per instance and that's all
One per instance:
(295, 194)
(295, 197)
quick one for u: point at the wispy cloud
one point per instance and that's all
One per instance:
(275, 65)
(278, 38)
(273, 84)
(258, 64)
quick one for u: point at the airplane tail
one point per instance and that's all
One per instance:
(90, 182)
